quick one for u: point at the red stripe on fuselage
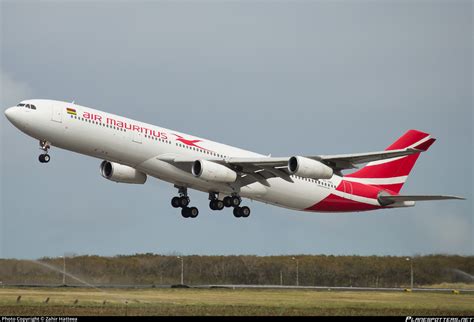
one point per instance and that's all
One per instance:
(362, 190)
(391, 188)
(333, 203)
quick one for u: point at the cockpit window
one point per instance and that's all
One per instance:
(30, 106)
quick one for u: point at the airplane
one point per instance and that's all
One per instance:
(132, 150)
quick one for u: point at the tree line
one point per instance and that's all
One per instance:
(307, 270)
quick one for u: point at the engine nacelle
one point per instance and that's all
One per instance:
(308, 168)
(211, 171)
(121, 173)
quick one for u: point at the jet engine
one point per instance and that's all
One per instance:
(308, 168)
(211, 171)
(121, 173)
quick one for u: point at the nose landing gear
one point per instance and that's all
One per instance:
(44, 157)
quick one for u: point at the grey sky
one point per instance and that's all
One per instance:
(273, 77)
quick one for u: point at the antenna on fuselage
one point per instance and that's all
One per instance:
(72, 101)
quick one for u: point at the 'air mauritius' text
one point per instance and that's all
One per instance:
(124, 125)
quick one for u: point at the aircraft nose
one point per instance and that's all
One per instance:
(9, 113)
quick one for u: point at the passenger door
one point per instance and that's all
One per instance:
(57, 115)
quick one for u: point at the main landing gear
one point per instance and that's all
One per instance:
(242, 212)
(44, 157)
(229, 201)
(215, 203)
(182, 202)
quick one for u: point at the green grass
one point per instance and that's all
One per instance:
(228, 302)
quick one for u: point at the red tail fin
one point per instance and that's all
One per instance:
(392, 173)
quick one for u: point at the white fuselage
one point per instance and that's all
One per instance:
(144, 146)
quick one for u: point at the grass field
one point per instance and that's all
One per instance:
(228, 302)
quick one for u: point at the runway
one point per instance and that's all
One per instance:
(244, 286)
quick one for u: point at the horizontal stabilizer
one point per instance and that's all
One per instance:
(388, 200)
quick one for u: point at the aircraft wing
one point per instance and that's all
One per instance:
(262, 168)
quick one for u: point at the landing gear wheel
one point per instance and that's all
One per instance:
(183, 202)
(175, 202)
(44, 158)
(216, 204)
(244, 211)
(227, 201)
(235, 201)
(237, 212)
(219, 204)
(212, 205)
(185, 212)
(193, 212)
